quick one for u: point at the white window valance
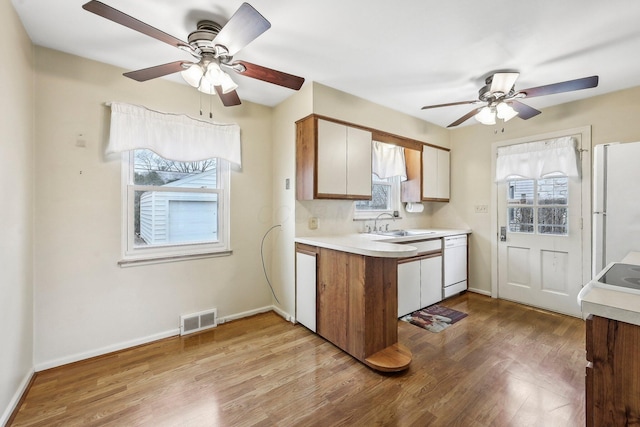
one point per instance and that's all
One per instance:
(538, 159)
(388, 161)
(172, 136)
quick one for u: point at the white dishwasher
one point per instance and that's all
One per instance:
(455, 265)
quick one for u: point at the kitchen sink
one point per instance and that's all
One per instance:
(401, 233)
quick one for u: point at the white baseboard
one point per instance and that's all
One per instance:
(22, 388)
(148, 339)
(480, 291)
(105, 350)
(286, 316)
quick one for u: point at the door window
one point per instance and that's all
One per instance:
(538, 206)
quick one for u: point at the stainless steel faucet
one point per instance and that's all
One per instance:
(375, 222)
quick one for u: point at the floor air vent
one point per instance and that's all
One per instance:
(196, 322)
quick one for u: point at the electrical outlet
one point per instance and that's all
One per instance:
(481, 208)
(287, 184)
(313, 223)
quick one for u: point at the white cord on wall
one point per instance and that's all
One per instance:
(263, 266)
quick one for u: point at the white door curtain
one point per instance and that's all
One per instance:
(539, 159)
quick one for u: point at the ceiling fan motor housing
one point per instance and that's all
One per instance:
(202, 38)
(485, 94)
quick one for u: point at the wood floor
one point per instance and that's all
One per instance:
(503, 365)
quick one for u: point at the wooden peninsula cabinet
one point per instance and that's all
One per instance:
(613, 373)
(357, 306)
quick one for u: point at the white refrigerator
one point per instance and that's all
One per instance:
(616, 202)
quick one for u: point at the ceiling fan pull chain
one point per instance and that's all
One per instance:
(211, 107)
(200, 97)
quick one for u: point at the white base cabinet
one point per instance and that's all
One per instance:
(306, 277)
(419, 283)
(408, 287)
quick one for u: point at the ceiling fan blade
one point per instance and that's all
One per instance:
(568, 86)
(228, 99)
(121, 18)
(157, 71)
(465, 117)
(243, 27)
(524, 111)
(503, 82)
(427, 107)
(267, 74)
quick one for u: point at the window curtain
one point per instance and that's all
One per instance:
(538, 159)
(388, 161)
(172, 136)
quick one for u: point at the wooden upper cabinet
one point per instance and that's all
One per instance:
(427, 175)
(333, 160)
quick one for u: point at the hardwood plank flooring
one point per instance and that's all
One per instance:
(504, 365)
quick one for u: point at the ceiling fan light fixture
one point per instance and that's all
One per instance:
(227, 83)
(193, 75)
(505, 111)
(207, 87)
(486, 116)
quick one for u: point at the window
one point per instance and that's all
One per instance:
(174, 209)
(538, 206)
(384, 198)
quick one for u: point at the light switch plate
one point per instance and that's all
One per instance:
(481, 208)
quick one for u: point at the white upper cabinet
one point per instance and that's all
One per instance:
(435, 174)
(344, 160)
(358, 162)
(333, 160)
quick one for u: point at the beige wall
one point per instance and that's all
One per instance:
(86, 304)
(284, 200)
(612, 117)
(16, 213)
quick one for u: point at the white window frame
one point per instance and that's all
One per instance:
(394, 198)
(138, 255)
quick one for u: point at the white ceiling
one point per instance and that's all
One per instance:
(402, 55)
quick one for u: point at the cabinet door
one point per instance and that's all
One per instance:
(332, 158)
(408, 287)
(429, 172)
(358, 162)
(335, 274)
(435, 173)
(430, 281)
(306, 290)
(443, 175)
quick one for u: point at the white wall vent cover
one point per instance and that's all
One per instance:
(195, 322)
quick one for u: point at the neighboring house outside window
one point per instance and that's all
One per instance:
(384, 198)
(174, 209)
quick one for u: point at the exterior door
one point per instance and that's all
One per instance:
(540, 247)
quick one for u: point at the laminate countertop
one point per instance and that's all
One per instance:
(379, 245)
(611, 304)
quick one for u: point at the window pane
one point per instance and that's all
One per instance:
(520, 220)
(553, 191)
(520, 192)
(552, 221)
(167, 217)
(151, 169)
(380, 199)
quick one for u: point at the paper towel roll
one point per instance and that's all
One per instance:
(414, 207)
